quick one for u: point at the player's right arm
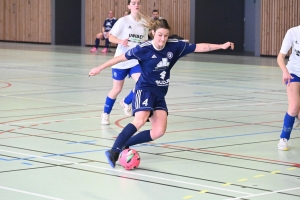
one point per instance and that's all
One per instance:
(109, 63)
(116, 31)
(115, 40)
(285, 47)
(286, 77)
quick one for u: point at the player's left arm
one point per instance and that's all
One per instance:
(109, 63)
(205, 47)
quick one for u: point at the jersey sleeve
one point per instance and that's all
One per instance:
(135, 53)
(104, 23)
(117, 27)
(185, 48)
(286, 43)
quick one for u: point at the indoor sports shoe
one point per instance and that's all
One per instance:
(126, 108)
(105, 119)
(105, 50)
(297, 122)
(112, 157)
(94, 50)
(284, 144)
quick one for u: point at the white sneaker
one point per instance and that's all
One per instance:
(105, 119)
(284, 144)
(297, 122)
(126, 107)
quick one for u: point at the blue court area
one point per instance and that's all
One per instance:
(225, 118)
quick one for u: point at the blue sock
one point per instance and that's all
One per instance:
(97, 42)
(139, 138)
(122, 138)
(109, 103)
(128, 99)
(287, 126)
(106, 43)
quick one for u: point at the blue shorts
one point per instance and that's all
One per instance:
(120, 74)
(295, 79)
(144, 101)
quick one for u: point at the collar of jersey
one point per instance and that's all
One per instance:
(155, 47)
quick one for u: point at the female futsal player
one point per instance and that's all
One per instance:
(156, 57)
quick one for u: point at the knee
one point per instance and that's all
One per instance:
(116, 90)
(99, 35)
(293, 110)
(157, 133)
(139, 122)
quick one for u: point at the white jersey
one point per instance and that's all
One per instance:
(292, 39)
(127, 28)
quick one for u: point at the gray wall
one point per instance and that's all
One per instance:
(252, 26)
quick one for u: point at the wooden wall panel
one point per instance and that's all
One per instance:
(2, 21)
(25, 21)
(177, 12)
(7, 22)
(277, 16)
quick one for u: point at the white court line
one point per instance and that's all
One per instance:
(30, 193)
(40, 122)
(170, 111)
(266, 193)
(62, 102)
(127, 172)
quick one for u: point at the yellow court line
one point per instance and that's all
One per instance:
(241, 180)
(258, 176)
(203, 191)
(187, 197)
(275, 172)
(226, 184)
(292, 168)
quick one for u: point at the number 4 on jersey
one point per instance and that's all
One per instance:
(145, 103)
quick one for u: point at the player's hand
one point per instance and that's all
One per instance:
(227, 45)
(125, 43)
(286, 78)
(95, 71)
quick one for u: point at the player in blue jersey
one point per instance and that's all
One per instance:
(156, 57)
(107, 26)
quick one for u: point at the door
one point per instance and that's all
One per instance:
(219, 21)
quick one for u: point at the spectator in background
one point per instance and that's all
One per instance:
(155, 15)
(107, 26)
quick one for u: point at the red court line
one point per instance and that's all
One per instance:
(221, 153)
(7, 85)
(45, 116)
(31, 135)
(233, 155)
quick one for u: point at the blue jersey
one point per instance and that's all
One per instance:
(157, 64)
(109, 23)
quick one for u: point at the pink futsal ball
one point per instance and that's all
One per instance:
(129, 159)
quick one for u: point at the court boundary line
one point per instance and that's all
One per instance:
(29, 193)
(128, 172)
(266, 193)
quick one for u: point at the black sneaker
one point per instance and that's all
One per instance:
(112, 157)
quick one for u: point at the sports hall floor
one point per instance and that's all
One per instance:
(225, 117)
